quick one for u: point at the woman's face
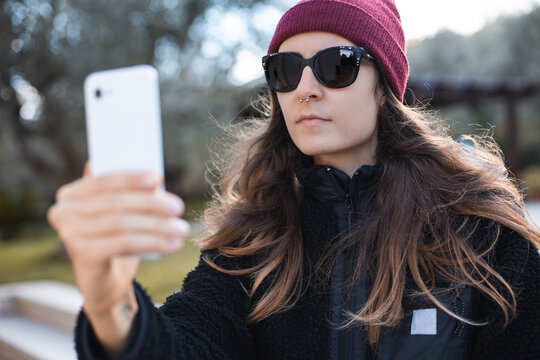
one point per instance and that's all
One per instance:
(337, 127)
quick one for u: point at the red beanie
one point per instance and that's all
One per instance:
(373, 24)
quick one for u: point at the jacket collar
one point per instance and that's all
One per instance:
(331, 184)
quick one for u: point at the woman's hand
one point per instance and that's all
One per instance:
(103, 222)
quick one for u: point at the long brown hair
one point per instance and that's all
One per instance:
(430, 199)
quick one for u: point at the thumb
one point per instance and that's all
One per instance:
(87, 170)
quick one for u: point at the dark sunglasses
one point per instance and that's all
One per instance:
(335, 67)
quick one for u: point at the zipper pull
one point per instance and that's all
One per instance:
(336, 184)
(348, 210)
(348, 202)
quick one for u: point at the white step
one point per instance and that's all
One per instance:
(22, 338)
(37, 320)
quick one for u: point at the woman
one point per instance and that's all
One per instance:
(346, 226)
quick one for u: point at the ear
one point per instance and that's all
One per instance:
(380, 96)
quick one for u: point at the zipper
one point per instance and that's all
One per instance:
(347, 336)
(336, 295)
(346, 195)
(458, 305)
(348, 212)
(345, 339)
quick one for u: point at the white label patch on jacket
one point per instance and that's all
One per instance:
(424, 322)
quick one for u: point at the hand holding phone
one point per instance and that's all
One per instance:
(123, 121)
(117, 209)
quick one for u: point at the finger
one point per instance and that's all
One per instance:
(52, 213)
(124, 223)
(87, 169)
(105, 248)
(92, 186)
(162, 203)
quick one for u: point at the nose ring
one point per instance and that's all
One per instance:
(306, 99)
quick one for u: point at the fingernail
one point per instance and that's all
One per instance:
(180, 227)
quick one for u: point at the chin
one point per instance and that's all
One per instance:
(310, 147)
(313, 152)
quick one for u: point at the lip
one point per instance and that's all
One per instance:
(311, 119)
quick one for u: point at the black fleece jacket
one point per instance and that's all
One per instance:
(206, 319)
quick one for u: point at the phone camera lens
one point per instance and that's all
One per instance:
(98, 93)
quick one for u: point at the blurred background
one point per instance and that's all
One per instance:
(479, 62)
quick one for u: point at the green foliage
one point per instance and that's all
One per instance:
(531, 178)
(195, 208)
(530, 153)
(17, 206)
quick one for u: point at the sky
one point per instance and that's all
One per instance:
(420, 19)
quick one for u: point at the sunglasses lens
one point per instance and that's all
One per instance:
(283, 72)
(336, 67)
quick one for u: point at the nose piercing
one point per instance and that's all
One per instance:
(306, 99)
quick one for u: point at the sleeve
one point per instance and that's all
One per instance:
(205, 320)
(518, 261)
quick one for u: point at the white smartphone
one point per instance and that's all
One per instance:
(123, 122)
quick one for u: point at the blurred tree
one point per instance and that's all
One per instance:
(506, 48)
(49, 46)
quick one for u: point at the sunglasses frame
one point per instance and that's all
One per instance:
(359, 51)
